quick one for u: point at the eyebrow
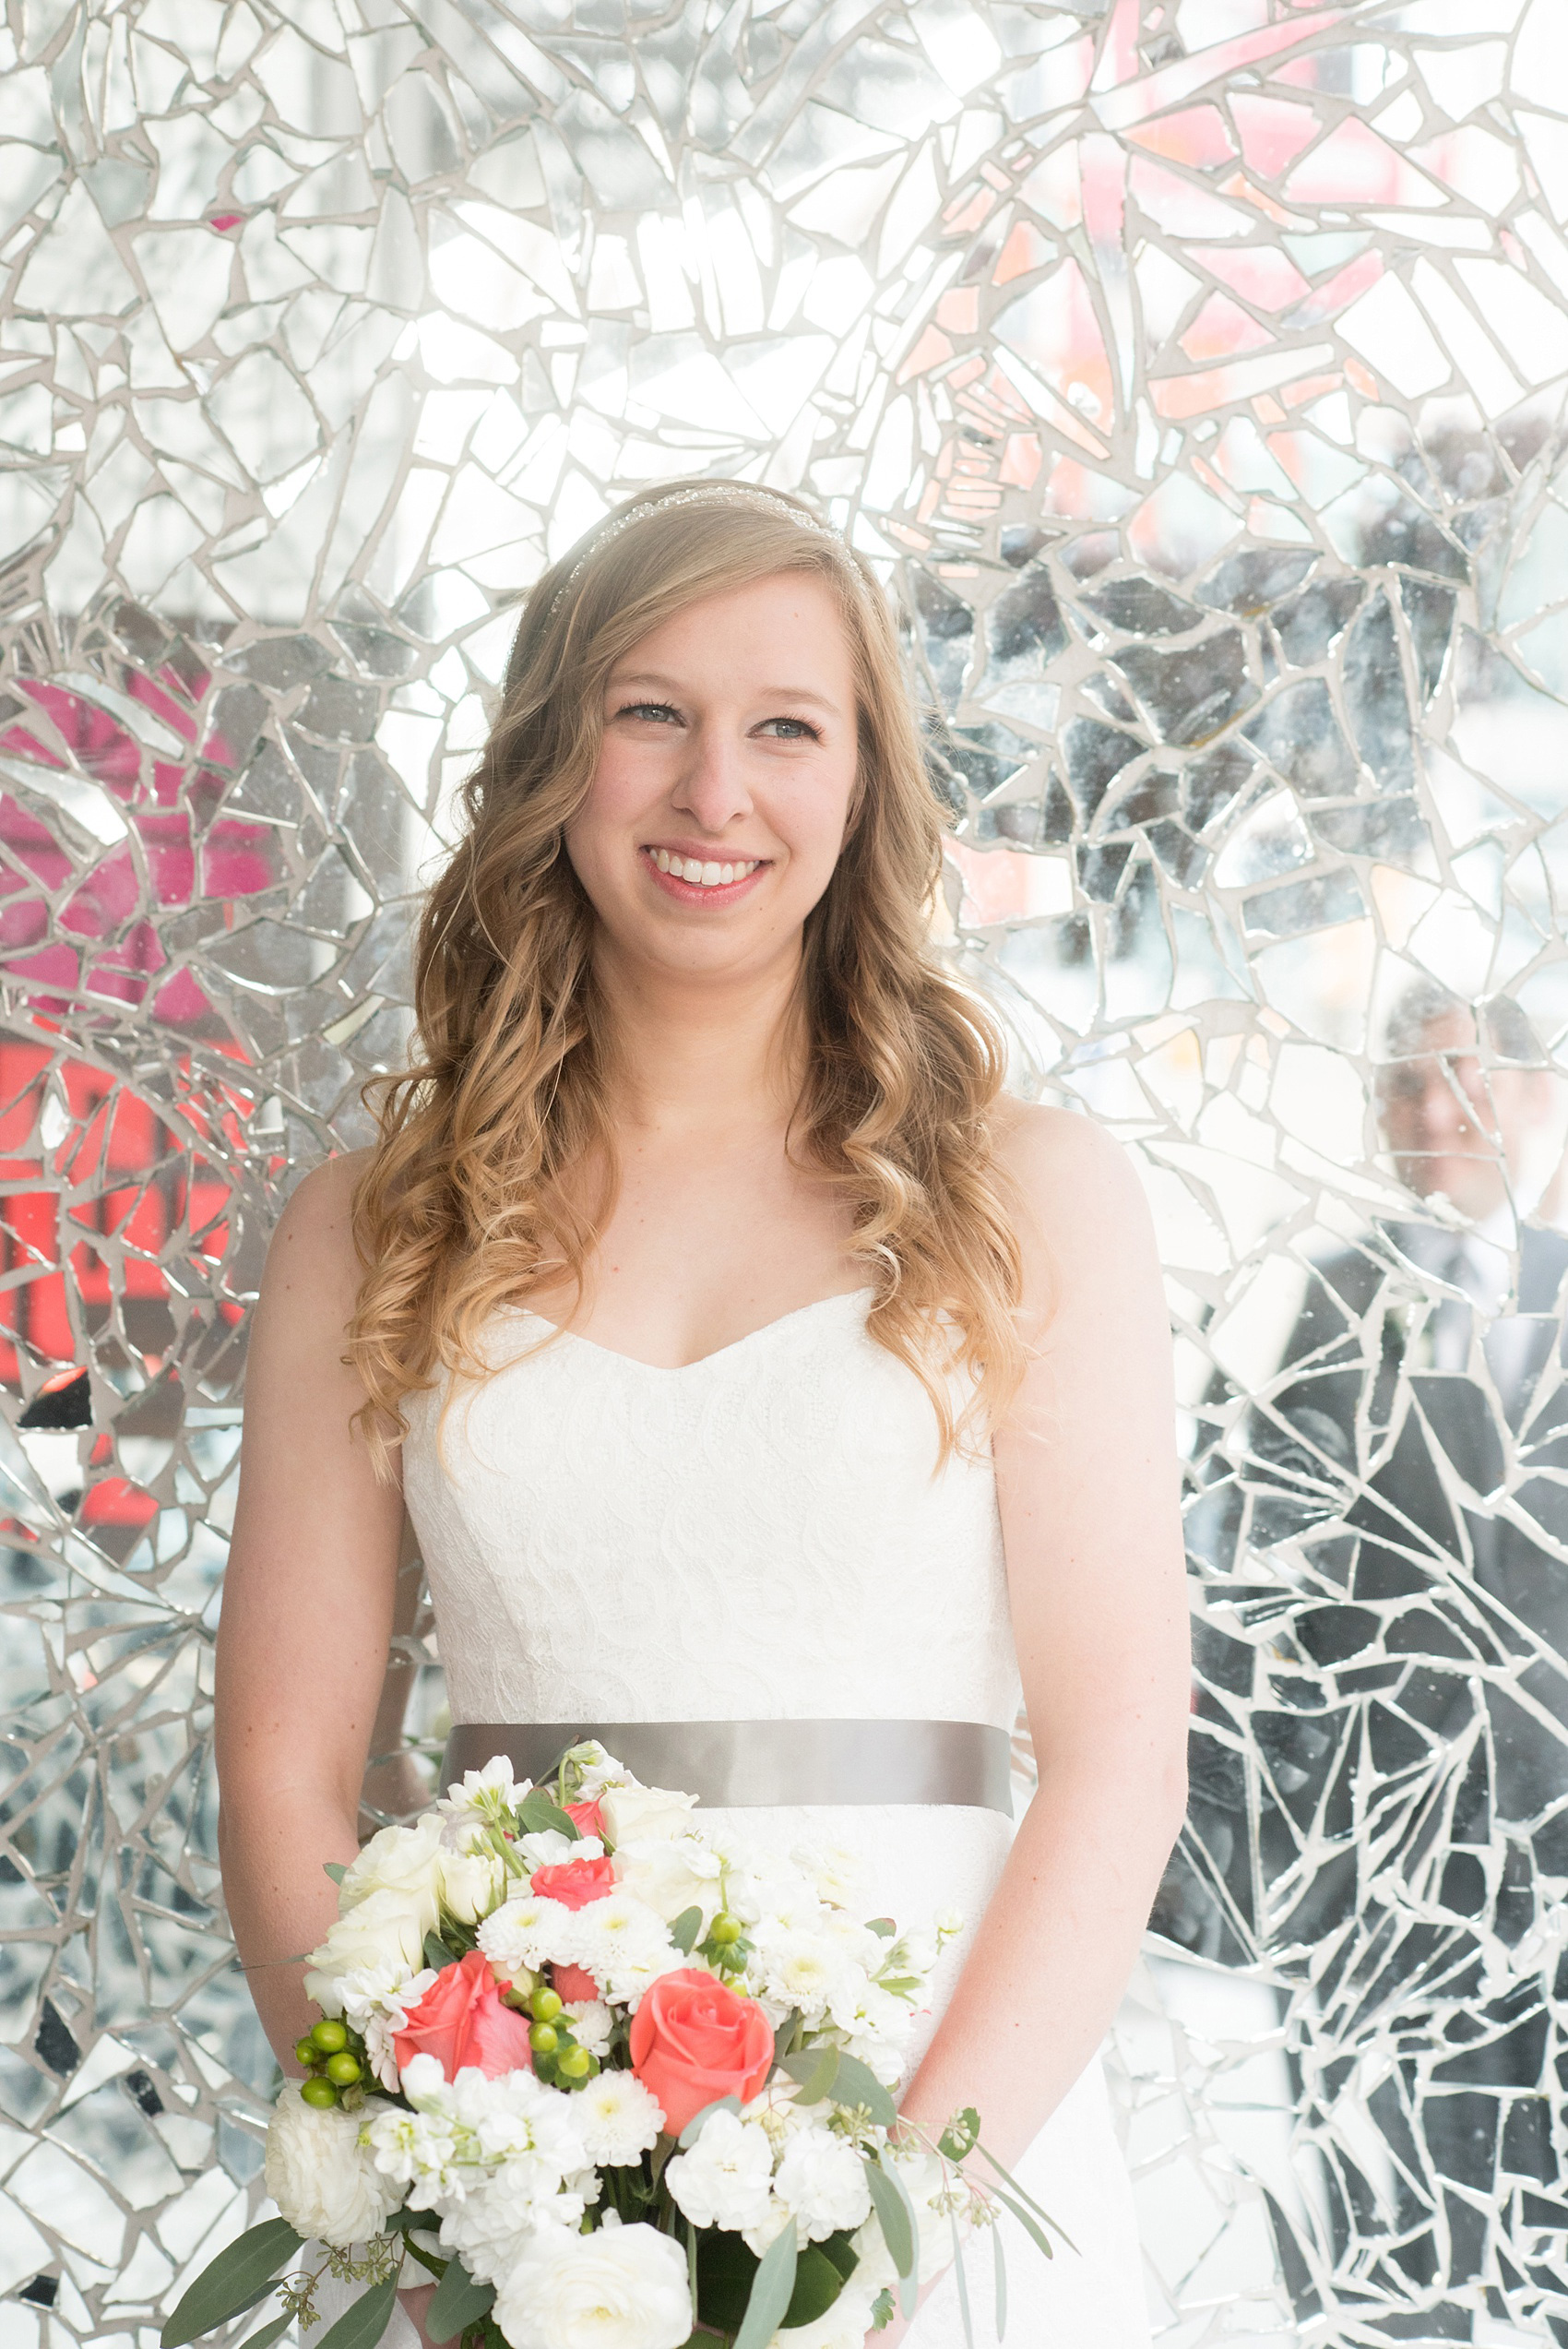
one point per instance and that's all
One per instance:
(619, 684)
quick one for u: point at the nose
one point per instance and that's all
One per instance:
(712, 787)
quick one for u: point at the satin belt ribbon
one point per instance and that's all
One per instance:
(744, 1763)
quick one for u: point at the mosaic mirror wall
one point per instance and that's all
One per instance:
(1195, 370)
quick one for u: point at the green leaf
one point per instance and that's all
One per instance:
(538, 1812)
(893, 2210)
(1024, 2195)
(784, 2037)
(437, 1954)
(1000, 2250)
(234, 2280)
(684, 1930)
(961, 2134)
(858, 2084)
(459, 2303)
(335, 1869)
(693, 2127)
(772, 2290)
(815, 2070)
(726, 2273)
(269, 2332)
(883, 1924)
(962, 2282)
(841, 2249)
(882, 2310)
(361, 2326)
(1030, 2225)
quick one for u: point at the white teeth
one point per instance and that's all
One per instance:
(709, 876)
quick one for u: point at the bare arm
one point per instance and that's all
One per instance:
(1086, 1478)
(307, 1610)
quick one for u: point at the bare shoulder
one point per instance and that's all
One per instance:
(1066, 1167)
(312, 1254)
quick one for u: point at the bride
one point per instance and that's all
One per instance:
(741, 1354)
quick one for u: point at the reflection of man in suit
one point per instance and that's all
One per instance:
(1420, 1356)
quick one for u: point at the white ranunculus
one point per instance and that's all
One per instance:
(386, 1930)
(622, 2287)
(727, 2178)
(620, 2119)
(397, 1859)
(823, 2180)
(324, 2181)
(644, 1814)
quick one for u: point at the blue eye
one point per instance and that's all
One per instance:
(647, 709)
(801, 729)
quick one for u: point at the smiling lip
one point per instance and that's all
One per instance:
(711, 890)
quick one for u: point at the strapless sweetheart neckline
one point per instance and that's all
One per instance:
(675, 1369)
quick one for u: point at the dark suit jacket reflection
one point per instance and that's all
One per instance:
(1457, 1520)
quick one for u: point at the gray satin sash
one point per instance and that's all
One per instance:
(748, 1763)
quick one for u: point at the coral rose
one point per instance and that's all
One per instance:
(587, 1818)
(573, 1983)
(462, 2021)
(693, 2041)
(573, 1882)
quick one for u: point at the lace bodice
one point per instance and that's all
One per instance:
(756, 1535)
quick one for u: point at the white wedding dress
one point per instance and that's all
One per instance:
(760, 1535)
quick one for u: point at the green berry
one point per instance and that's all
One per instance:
(574, 2063)
(319, 2092)
(306, 2052)
(543, 2039)
(330, 2036)
(725, 1929)
(545, 2004)
(343, 2069)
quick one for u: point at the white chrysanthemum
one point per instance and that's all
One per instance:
(529, 1933)
(618, 2116)
(623, 1944)
(323, 2180)
(376, 2001)
(622, 2287)
(727, 2178)
(484, 1793)
(382, 1933)
(804, 1970)
(822, 2180)
(591, 2022)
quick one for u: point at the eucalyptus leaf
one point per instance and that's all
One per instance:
(437, 1953)
(961, 2135)
(999, 2249)
(274, 2329)
(1025, 2197)
(963, 2281)
(858, 2084)
(784, 2037)
(1027, 2221)
(361, 2325)
(459, 2303)
(538, 1812)
(234, 2281)
(815, 2070)
(693, 2127)
(883, 1924)
(771, 2292)
(335, 1869)
(895, 2216)
(684, 1930)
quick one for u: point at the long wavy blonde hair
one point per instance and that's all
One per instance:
(496, 1161)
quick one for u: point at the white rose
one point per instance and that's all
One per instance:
(324, 2181)
(644, 1814)
(622, 2287)
(383, 1933)
(471, 1883)
(672, 1874)
(397, 1859)
(822, 2179)
(727, 2178)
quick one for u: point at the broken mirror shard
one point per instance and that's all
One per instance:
(1193, 370)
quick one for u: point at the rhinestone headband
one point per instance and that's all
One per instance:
(699, 493)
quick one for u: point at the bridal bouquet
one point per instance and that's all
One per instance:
(617, 2079)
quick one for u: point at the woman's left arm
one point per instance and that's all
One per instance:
(1088, 1483)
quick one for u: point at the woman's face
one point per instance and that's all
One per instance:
(723, 787)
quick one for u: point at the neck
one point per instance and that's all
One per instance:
(693, 1050)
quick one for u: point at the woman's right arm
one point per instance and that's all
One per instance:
(307, 1608)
